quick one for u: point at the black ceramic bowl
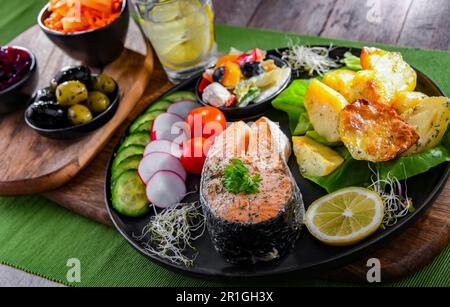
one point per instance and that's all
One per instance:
(252, 109)
(19, 94)
(97, 47)
(74, 132)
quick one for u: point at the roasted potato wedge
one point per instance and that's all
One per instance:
(430, 119)
(369, 86)
(340, 80)
(390, 67)
(315, 159)
(374, 132)
(323, 105)
(404, 101)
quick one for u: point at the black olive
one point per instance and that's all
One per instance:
(218, 74)
(251, 69)
(45, 94)
(47, 115)
(74, 73)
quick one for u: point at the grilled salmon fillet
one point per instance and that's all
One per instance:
(374, 132)
(273, 214)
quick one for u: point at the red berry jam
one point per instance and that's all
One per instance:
(14, 65)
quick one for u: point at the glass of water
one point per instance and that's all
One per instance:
(181, 32)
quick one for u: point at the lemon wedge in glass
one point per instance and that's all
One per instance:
(345, 217)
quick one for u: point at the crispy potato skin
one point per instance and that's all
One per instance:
(391, 67)
(374, 132)
(430, 119)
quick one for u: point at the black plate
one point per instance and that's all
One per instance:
(309, 255)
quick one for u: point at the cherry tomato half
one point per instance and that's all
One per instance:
(207, 122)
(194, 154)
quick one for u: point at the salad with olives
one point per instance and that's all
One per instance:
(239, 79)
(75, 96)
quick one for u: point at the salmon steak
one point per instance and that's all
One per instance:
(252, 227)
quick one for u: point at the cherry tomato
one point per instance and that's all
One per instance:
(194, 154)
(207, 122)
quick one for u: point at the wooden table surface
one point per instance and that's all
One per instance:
(411, 23)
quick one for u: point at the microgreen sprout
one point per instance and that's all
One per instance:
(397, 204)
(170, 233)
(314, 60)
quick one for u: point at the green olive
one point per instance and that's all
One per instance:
(79, 114)
(97, 102)
(104, 83)
(71, 92)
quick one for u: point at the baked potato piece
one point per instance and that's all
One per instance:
(315, 159)
(369, 86)
(391, 67)
(323, 105)
(430, 119)
(404, 101)
(374, 132)
(340, 80)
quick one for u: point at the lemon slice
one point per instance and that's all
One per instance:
(345, 217)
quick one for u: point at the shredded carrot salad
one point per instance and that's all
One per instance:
(70, 16)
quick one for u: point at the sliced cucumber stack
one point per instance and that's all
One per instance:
(129, 195)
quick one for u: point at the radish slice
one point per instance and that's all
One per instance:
(163, 146)
(159, 161)
(165, 189)
(183, 108)
(170, 127)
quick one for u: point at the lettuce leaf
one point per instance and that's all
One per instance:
(407, 167)
(312, 134)
(291, 101)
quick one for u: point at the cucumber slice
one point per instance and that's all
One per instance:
(181, 95)
(160, 105)
(137, 138)
(145, 127)
(128, 195)
(132, 150)
(128, 164)
(144, 118)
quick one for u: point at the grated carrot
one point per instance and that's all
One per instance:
(69, 16)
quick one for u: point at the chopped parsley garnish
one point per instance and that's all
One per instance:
(238, 179)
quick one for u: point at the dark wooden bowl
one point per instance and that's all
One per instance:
(97, 47)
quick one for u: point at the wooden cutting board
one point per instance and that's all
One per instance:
(405, 254)
(32, 163)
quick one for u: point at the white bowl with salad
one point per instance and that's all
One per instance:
(242, 84)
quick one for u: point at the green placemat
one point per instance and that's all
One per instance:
(38, 236)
